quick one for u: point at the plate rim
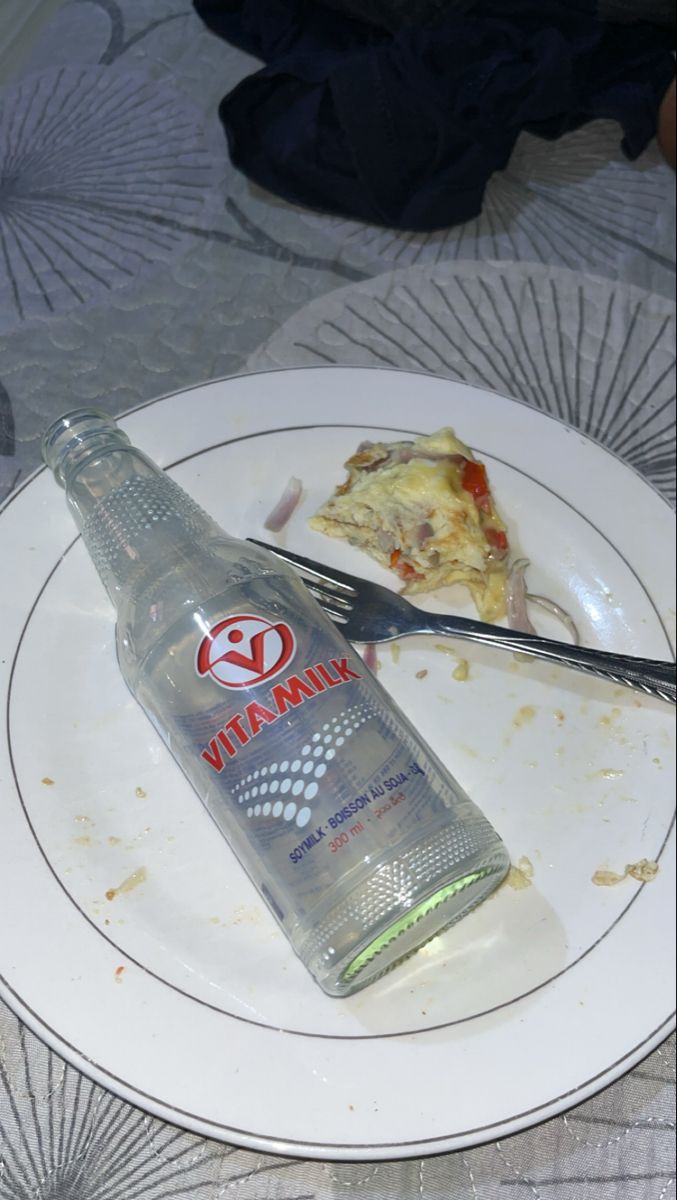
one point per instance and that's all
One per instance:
(359, 1152)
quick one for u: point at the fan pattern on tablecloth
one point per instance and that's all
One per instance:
(100, 169)
(598, 355)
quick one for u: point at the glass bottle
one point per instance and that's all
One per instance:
(356, 835)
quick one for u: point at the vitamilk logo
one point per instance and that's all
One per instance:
(245, 650)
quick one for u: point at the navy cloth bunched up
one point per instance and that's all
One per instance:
(404, 127)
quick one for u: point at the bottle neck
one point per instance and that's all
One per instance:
(133, 518)
(77, 437)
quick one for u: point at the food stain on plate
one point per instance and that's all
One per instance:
(132, 881)
(524, 716)
(520, 874)
(248, 914)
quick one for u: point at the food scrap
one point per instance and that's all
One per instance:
(140, 793)
(516, 598)
(132, 881)
(369, 658)
(520, 874)
(119, 972)
(421, 674)
(462, 671)
(249, 913)
(424, 509)
(644, 871)
(525, 714)
(609, 719)
(605, 878)
(395, 649)
(557, 611)
(280, 514)
(47, 781)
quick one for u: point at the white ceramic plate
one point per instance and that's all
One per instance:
(529, 1005)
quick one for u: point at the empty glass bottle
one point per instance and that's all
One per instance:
(358, 838)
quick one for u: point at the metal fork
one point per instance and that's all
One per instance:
(368, 612)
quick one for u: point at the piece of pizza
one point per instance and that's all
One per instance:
(424, 509)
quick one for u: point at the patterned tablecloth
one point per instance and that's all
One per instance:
(134, 262)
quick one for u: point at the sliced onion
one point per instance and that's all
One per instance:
(369, 657)
(280, 514)
(516, 599)
(556, 610)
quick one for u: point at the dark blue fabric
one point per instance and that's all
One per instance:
(404, 129)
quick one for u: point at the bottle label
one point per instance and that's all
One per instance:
(245, 650)
(304, 762)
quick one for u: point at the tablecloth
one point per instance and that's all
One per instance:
(133, 262)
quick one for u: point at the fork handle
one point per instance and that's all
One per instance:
(642, 674)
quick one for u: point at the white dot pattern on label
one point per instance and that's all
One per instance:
(316, 754)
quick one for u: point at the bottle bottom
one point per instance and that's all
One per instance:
(401, 906)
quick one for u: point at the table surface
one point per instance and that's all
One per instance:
(210, 277)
